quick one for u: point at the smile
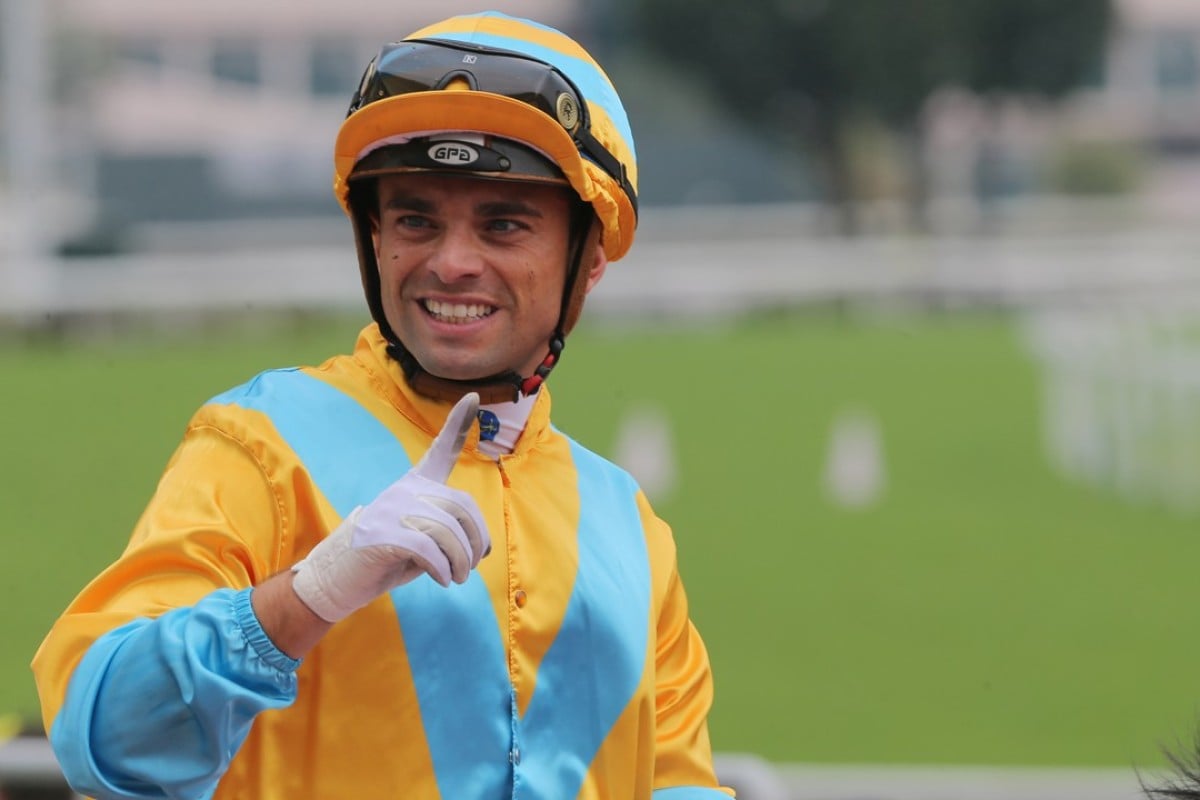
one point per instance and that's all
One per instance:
(457, 312)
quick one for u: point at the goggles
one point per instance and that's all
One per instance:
(425, 65)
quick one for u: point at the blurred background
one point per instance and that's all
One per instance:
(907, 351)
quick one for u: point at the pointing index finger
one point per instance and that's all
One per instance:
(439, 459)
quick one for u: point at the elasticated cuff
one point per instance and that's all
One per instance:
(252, 629)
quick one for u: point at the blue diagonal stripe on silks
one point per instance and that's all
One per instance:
(451, 635)
(689, 793)
(350, 455)
(579, 696)
(457, 657)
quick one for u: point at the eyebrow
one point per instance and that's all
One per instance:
(507, 208)
(488, 208)
(408, 202)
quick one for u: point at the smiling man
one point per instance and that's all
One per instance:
(389, 575)
(471, 270)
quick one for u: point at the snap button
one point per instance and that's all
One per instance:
(519, 598)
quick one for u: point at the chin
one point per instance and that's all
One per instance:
(460, 372)
(443, 363)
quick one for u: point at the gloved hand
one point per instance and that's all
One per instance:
(416, 525)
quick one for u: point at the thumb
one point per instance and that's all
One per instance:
(439, 459)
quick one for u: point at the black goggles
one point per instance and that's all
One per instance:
(424, 65)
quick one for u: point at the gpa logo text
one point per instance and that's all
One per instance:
(453, 154)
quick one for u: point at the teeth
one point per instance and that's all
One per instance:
(457, 312)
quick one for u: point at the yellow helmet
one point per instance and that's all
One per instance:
(527, 82)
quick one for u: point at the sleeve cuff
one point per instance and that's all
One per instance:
(252, 629)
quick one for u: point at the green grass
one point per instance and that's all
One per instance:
(984, 611)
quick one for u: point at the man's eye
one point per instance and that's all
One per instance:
(412, 221)
(504, 225)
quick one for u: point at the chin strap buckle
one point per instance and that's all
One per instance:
(535, 381)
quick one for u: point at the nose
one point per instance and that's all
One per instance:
(457, 255)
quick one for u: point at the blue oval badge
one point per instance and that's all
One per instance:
(489, 425)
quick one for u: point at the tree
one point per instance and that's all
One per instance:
(1040, 47)
(807, 70)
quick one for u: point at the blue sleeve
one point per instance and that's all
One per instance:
(158, 707)
(689, 793)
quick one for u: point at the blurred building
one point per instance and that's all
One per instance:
(1150, 96)
(1150, 89)
(227, 109)
(1134, 127)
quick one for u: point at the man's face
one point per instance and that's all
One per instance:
(471, 271)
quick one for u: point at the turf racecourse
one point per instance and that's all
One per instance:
(983, 611)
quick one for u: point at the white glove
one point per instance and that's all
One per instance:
(416, 525)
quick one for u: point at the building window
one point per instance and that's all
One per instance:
(236, 60)
(335, 67)
(1177, 66)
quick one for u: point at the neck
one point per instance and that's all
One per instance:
(502, 387)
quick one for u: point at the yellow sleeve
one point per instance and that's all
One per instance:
(215, 521)
(683, 683)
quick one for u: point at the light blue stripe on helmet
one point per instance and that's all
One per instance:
(593, 668)
(450, 635)
(595, 87)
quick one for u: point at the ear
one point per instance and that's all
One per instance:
(599, 264)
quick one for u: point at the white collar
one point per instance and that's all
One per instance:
(501, 424)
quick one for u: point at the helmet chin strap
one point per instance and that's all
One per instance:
(502, 387)
(509, 385)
